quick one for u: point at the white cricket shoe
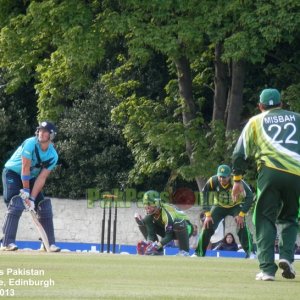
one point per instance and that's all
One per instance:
(288, 270)
(264, 276)
(53, 248)
(183, 253)
(10, 247)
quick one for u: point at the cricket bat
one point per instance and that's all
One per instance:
(41, 230)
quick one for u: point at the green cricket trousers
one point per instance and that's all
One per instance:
(218, 213)
(277, 201)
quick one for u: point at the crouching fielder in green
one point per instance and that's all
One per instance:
(272, 138)
(220, 187)
(166, 221)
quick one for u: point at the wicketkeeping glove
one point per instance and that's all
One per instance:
(154, 249)
(142, 246)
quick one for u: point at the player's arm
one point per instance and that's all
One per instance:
(241, 152)
(43, 175)
(167, 238)
(26, 156)
(157, 245)
(238, 171)
(151, 235)
(40, 182)
(25, 178)
(25, 175)
(169, 227)
(208, 187)
(249, 197)
(247, 203)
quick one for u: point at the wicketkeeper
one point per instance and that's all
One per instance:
(25, 174)
(162, 220)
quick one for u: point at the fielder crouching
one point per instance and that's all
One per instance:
(25, 174)
(164, 220)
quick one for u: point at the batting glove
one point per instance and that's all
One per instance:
(25, 193)
(153, 249)
(29, 204)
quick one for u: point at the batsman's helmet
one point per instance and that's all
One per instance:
(151, 198)
(50, 127)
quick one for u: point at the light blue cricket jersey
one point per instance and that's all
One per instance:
(27, 149)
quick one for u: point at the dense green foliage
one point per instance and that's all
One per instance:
(89, 144)
(178, 81)
(17, 119)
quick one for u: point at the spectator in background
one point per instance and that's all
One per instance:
(228, 243)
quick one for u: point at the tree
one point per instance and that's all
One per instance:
(157, 58)
(14, 123)
(91, 149)
(244, 33)
(241, 37)
(170, 29)
(58, 45)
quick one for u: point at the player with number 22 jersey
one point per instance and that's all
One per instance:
(275, 140)
(272, 138)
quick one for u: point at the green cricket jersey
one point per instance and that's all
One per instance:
(222, 195)
(169, 215)
(272, 138)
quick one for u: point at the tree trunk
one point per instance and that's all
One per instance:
(221, 81)
(185, 90)
(236, 95)
(188, 104)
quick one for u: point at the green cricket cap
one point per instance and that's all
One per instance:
(269, 97)
(224, 170)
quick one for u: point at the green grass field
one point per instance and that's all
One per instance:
(104, 276)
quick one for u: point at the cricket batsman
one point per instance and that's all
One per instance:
(25, 174)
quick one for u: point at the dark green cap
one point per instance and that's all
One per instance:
(269, 97)
(224, 170)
